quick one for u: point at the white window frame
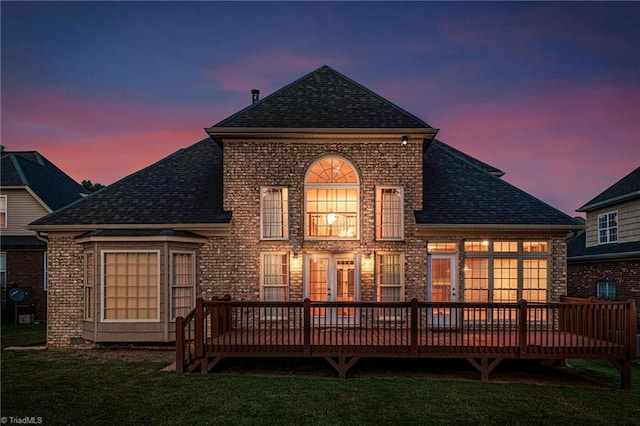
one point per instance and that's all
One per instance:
(389, 314)
(172, 284)
(356, 186)
(89, 314)
(266, 314)
(399, 219)
(610, 289)
(284, 214)
(4, 210)
(103, 254)
(608, 238)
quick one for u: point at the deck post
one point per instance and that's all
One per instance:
(306, 312)
(414, 327)
(179, 345)
(199, 329)
(632, 327)
(523, 327)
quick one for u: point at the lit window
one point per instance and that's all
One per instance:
(274, 279)
(131, 286)
(331, 200)
(183, 282)
(441, 247)
(89, 281)
(274, 213)
(389, 283)
(3, 211)
(389, 213)
(476, 246)
(608, 228)
(607, 291)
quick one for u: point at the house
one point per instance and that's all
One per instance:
(322, 190)
(31, 187)
(604, 261)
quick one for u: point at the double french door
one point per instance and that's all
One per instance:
(332, 277)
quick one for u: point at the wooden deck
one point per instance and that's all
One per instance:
(342, 333)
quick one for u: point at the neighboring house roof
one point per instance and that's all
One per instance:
(577, 250)
(323, 98)
(21, 242)
(183, 188)
(460, 190)
(30, 169)
(625, 189)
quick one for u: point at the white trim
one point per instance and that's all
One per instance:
(102, 287)
(284, 213)
(379, 189)
(607, 228)
(171, 286)
(154, 238)
(93, 286)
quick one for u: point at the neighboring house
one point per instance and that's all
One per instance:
(321, 190)
(604, 261)
(31, 187)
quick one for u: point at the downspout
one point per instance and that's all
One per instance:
(44, 237)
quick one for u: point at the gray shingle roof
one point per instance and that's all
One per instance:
(625, 189)
(458, 191)
(183, 188)
(577, 249)
(28, 168)
(323, 98)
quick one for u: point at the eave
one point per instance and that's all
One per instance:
(427, 133)
(479, 230)
(611, 201)
(208, 229)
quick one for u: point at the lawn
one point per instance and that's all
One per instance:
(127, 387)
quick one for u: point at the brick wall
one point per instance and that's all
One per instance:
(25, 269)
(583, 279)
(66, 277)
(231, 265)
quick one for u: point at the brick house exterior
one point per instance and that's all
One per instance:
(604, 261)
(323, 190)
(31, 187)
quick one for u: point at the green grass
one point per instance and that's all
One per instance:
(22, 335)
(112, 387)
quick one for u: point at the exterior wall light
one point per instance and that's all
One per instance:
(405, 140)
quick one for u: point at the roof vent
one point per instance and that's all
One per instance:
(255, 95)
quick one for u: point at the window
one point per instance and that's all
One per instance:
(274, 282)
(608, 228)
(274, 213)
(183, 283)
(131, 284)
(606, 290)
(441, 247)
(3, 270)
(506, 271)
(331, 200)
(3, 211)
(389, 277)
(46, 271)
(89, 281)
(389, 213)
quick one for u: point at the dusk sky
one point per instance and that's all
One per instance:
(547, 92)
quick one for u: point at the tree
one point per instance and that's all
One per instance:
(92, 187)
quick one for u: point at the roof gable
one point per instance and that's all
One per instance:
(54, 187)
(625, 189)
(323, 98)
(460, 191)
(183, 188)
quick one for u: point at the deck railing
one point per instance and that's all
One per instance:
(573, 329)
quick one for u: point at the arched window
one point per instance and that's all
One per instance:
(332, 200)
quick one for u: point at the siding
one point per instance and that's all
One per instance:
(628, 222)
(22, 209)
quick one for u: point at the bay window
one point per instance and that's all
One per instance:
(183, 282)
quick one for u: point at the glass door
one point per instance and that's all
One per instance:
(331, 277)
(441, 287)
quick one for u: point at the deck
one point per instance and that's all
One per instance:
(344, 332)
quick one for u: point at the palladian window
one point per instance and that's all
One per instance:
(332, 200)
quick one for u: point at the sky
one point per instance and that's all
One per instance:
(547, 92)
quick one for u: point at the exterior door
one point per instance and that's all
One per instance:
(331, 277)
(442, 287)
